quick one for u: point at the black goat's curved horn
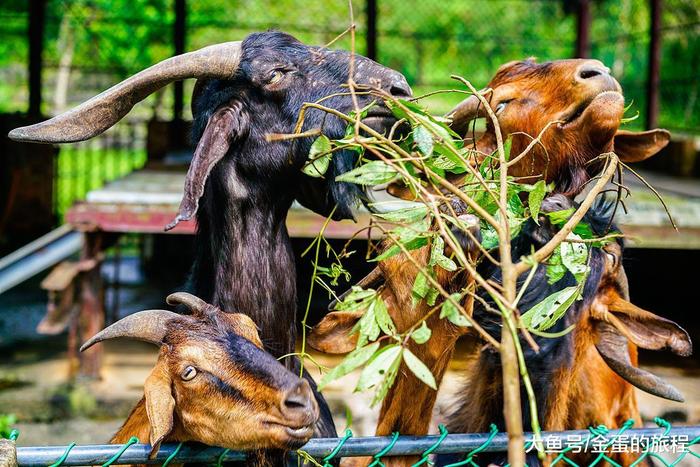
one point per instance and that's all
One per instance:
(148, 325)
(466, 111)
(192, 302)
(98, 114)
(613, 347)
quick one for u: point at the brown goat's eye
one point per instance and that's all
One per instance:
(188, 373)
(501, 106)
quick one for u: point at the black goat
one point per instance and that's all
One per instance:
(245, 183)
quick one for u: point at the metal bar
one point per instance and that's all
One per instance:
(321, 447)
(654, 70)
(583, 28)
(179, 31)
(38, 255)
(37, 17)
(372, 29)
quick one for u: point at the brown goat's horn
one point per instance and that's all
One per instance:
(104, 110)
(190, 301)
(148, 325)
(466, 111)
(613, 347)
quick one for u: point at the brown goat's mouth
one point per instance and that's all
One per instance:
(293, 437)
(571, 117)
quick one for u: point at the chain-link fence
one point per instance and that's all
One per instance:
(90, 45)
(668, 446)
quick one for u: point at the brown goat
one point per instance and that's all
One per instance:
(595, 358)
(582, 102)
(213, 383)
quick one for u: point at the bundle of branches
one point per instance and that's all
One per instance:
(423, 155)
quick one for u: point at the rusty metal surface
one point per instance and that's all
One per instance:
(146, 201)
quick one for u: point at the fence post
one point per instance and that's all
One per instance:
(37, 16)
(655, 7)
(371, 11)
(583, 27)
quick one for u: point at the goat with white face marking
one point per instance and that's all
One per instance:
(239, 184)
(213, 383)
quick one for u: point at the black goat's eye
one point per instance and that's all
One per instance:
(275, 76)
(188, 373)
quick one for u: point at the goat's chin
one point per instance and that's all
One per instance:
(601, 119)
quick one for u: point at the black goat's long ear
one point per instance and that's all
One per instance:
(160, 405)
(226, 124)
(633, 146)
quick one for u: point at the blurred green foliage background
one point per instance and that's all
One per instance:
(92, 44)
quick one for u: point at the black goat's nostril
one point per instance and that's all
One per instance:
(400, 88)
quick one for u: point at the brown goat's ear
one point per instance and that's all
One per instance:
(646, 329)
(636, 146)
(244, 326)
(332, 334)
(160, 405)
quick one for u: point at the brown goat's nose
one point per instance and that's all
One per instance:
(299, 402)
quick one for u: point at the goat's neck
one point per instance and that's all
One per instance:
(137, 424)
(245, 261)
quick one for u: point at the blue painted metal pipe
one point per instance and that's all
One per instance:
(321, 447)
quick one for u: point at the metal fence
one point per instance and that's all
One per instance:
(666, 445)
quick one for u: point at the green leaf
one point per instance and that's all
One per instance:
(378, 367)
(422, 334)
(357, 299)
(419, 369)
(319, 157)
(405, 215)
(452, 313)
(351, 361)
(370, 173)
(431, 296)
(368, 325)
(507, 146)
(393, 250)
(421, 286)
(489, 237)
(546, 313)
(559, 218)
(423, 140)
(535, 197)
(387, 382)
(381, 314)
(574, 257)
(437, 257)
(555, 268)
